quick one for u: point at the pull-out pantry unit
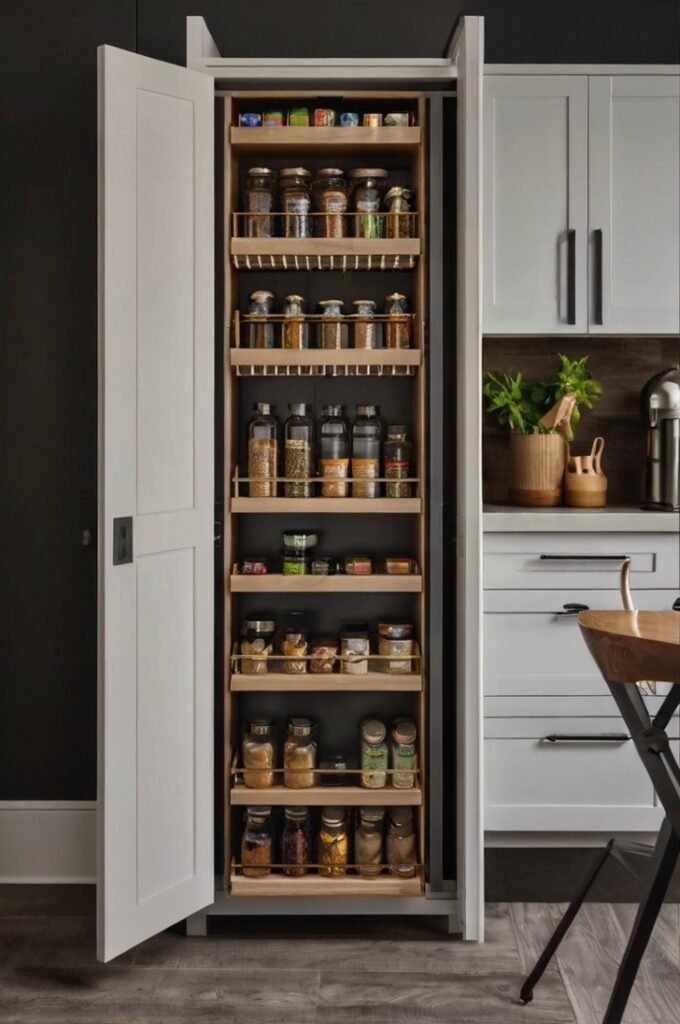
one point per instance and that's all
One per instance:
(198, 256)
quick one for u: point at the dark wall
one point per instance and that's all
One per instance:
(48, 323)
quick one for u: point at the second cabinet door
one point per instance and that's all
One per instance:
(535, 204)
(634, 131)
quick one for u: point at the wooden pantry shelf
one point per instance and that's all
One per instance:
(348, 506)
(348, 139)
(376, 583)
(315, 885)
(325, 796)
(311, 682)
(344, 254)
(325, 357)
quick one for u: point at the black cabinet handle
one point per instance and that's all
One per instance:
(676, 605)
(583, 558)
(573, 609)
(571, 276)
(591, 737)
(597, 259)
(122, 540)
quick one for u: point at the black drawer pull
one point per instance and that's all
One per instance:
(573, 609)
(597, 260)
(584, 558)
(591, 737)
(676, 605)
(571, 276)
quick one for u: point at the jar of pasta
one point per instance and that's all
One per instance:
(333, 842)
(299, 452)
(299, 755)
(263, 452)
(257, 646)
(258, 755)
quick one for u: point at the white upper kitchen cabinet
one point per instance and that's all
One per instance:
(634, 187)
(535, 204)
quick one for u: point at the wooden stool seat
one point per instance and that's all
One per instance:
(632, 646)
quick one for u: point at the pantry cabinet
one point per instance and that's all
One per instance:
(581, 189)
(178, 515)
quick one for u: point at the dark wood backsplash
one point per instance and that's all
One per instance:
(623, 365)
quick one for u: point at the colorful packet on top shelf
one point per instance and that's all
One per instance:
(273, 119)
(298, 117)
(348, 119)
(324, 118)
(397, 120)
(250, 120)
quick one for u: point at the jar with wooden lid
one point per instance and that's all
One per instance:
(294, 185)
(367, 188)
(260, 202)
(299, 755)
(330, 195)
(260, 330)
(332, 329)
(398, 327)
(333, 842)
(256, 845)
(403, 753)
(263, 452)
(294, 328)
(258, 754)
(368, 841)
(365, 327)
(374, 755)
(299, 452)
(257, 646)
(295, 841)
(398, 218)
(401, 842)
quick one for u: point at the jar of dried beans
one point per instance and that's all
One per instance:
(399, 217)
(256, 845)
(401, 842)
(257, 646)
(294, 329)
(295, 202)
(332, 327)
(397, 462)
(368, 185)
(368, 841)
(299, 452)
(374, 757)
(330, 199)
(295, 841)
(398, 325)
(263, 452)
(258, 755)
(260, 330)
(334, 453)
(260, 202)
(365, 325)
(333, 842)
(299, 755)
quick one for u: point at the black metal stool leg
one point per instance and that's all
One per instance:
(663, 863)
(526, 994)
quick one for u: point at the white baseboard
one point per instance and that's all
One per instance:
(47, 841)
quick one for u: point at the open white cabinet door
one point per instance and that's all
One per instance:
(156, 512)
(468, 51)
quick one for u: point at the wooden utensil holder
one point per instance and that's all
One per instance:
(537, 465)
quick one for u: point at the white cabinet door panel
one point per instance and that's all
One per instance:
(156, 446)
(634, 200)
(535, 176)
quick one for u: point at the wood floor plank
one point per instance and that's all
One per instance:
(666, 931)
(658, 982)
(533, 925)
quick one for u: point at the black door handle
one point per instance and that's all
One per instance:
(122, 540)
(583, 558)
(571, 276)
(573, 609)
(590, 737)
(597, 259)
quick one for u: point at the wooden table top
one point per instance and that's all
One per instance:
(633, 646)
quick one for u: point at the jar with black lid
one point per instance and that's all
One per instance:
(299, 452)
(368, 186)
(260, 202)
(257, 646)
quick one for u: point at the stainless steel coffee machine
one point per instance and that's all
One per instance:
(661, 415)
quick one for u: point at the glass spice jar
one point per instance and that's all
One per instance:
(334, 452)
(395, 641)
(334, 766)
(403, 753)
(295, 841)
(257, 646)
(257, 751)
(366, 439)
(324, 655)
(365, 326)
(256, 845)
(329, 191)
(398, 325)
(299, 755)
(398, 206)
(368, 185)
(355, 646)
(397, 456)
(260, 202)
(332, 330)
(260, 331)
(263, 452)
(299, 452)
(295, 202)
(294, 328)
(401, 842)
(374, 755)
(294, 645)
(333, 842)
(368, 841)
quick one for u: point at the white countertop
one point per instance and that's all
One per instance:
(613, 519)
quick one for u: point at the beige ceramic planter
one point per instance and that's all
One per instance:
(537, 464)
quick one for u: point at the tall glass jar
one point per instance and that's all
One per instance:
(374, 756)
(260, 202)
(260, 330)
(295, 841)
(299, 452)
(294, 329)
(329, 191)
(334, 452)
(368, 185)
(398, 326)
(403, 753)
(256, 845)
(398, 206)
(295, 202)
(299, 755)
(258, 753)
(366, 438)
(401, 842)
(397, 462)
(257, 646)
(263, 452)
(294, 644)
(332, 328)
(365, 324)
(333, 842)
(368, 841)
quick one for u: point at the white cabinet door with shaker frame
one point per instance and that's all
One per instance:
(156, 497)
(634, 200)
(535, 204)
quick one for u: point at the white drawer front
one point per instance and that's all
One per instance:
(547, 561)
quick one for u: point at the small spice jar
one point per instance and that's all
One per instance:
(295, 841)
(355, 646)
(330, 195)
(294, 329)
(397, 457)
(365, 326)
(395, 639)
(332, 328)
(398, 206)
(294, 644)
(299, 755)
(333, 842)
(298, 550)
(260, 202)
(324, 655)
(295, 563)
(295, 202)
(368, 841)
(334, 767)
(403, 753)
(263, 452)
(401, 842)
(299, 452)
(256, 845)
(257, 751)
(374, 756)
(368, 185)
(358, 565)
(260, 331)
(257, 646)
(398, 324)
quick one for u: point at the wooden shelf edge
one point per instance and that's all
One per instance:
(325, 796)
(274, 682)
(376, 583)
(325, 357)
(313, 885)
(339, 247)
(310, 506)
(286, 136)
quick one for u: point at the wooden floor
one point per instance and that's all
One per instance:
(318, 972)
